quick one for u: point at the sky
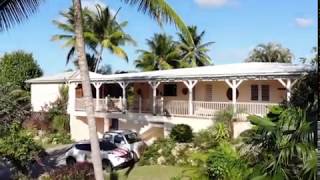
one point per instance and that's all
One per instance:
(236, 27)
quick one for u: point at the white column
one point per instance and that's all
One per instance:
(288, 85)
(234, 84)
(97, 85)
(190, 84)
(124, 85)
(71, 97)
(154, 85)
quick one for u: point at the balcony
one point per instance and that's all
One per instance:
(203, 109)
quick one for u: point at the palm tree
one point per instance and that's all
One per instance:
(106, 32)
(13, 12)
(156, 9)
(162, 54)
(194, 53)
(86, 87)
(270, 52)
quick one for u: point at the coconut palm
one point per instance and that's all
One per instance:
(13, 12)
(162, 54)
(156, 9)
(106, 33)
(194, 53)
(270, 52)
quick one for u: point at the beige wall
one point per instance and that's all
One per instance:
(42, 94)
(219, 90)
(79, 127)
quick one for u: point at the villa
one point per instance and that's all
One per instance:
(152, 102)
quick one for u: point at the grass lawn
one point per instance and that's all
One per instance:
(150, 173)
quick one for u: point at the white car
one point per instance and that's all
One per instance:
(126, 139)
(112, 156)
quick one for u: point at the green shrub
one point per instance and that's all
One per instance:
(205, 139)
(181, 133)
(224, 163)
(60, 123)
(59, 138)
(79, 171)
(18, 147)
(221, 132)
(159, 148)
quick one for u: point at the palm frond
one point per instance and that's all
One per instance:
(15, 11)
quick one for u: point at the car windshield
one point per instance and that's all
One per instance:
(132, 138)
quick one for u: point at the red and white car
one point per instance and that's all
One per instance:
(112, 156)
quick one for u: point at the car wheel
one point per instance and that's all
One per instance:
(107, 165)
(71, 161)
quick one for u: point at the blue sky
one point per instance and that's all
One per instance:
(236, 26)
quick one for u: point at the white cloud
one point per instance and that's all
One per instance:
(212, 3)
(303, 22)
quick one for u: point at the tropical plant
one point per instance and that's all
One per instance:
(181, 133)
(193, 53)
(14, 104)
(101, 30)
(17, 67)
(314, 60)
(17, 146)
(105, 69)
(280, 145)
(162, 54)
(270, 52)
(13, 12)
(224, 162)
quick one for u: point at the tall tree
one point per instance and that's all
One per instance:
(17, 67)
(13, 11)
(86, 87)
(162, 54)
(101, 31)
(194, 53)
(270, 52)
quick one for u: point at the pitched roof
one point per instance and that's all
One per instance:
(243, 70)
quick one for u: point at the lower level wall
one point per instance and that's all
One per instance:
(79, 126)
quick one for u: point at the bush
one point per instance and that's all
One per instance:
(181, 133)
(224, 163)
(79, 171)
(160, 150)
(60, 123)
(19, 148)
(59, 138)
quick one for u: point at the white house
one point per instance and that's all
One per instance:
(152, 102)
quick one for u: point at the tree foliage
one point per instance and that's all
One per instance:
(162, 54)
(17, 67)
(193, 54)
(270, 52)
(14, 104)
(280, 145)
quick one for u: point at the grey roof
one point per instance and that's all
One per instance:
(239, 70)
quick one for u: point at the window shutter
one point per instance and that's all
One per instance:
(265, 92)
(254, 93)
(209, 92)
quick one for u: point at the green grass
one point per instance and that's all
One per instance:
(150, 173)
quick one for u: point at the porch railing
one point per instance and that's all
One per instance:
(175, 107)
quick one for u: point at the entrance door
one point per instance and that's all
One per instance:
(114, 124)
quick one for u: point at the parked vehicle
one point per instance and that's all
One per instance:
(127, 139)
(112, 156)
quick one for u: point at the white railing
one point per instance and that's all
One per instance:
(253, 108)
(208, 109)
(176, 107)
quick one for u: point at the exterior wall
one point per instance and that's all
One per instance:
(79, 127)
(239, 127)
(219, 91)
(42, 94)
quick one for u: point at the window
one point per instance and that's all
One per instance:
(254, 92)
(229, 94)
(118, 139)
(107, 146)
(83, 147)
(209, 92)
(169, 90)
(265, 92)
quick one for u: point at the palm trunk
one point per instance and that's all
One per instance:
(87, 93)
(99, 59)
